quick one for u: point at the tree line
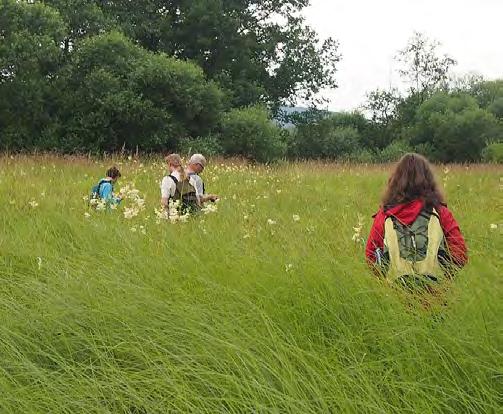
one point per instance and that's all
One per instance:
(212, 76)
(446, 118)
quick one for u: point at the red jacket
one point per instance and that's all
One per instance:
(407, 214)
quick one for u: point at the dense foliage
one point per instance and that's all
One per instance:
(182, 75)
(104, 75)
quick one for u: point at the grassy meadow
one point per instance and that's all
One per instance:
(264, 306)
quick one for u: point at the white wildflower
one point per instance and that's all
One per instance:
(101, 205)
(130, 212)
(161, 214)
(39, 262)
(184, 217)
(288, 267)
(493, 226)
(357, 236)
(271, 222)
(33, 204)
(87, 215)
(296, 217)
(209, 208)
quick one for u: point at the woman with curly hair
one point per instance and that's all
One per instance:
(414, 236)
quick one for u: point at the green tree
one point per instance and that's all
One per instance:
(486, 92)
(454, 127)
(383, 107)
(332, 136)
(120, 95)
(30, 55)
(258, 51)
(249, 132)
(493, 153)
(423, 68)
(83, 19)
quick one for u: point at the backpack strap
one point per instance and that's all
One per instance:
(176, 186)
(98, 186)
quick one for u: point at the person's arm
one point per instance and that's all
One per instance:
(376, 238)
(455, 242)
(107, 194)
(197, 182)
(208, 197)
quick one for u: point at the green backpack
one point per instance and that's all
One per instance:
(413, 251)
(186, 194)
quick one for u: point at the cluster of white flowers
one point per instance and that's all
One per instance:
(131, 194)
(140, 229)
(172, 213)
(99, 203)
(357, 236)
(209, 208)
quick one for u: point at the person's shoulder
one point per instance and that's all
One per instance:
(166, 180)
(442, 209)
(195, 178)
(379, 213)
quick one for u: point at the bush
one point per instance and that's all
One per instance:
(209, 145)
(454, 126)
(493, 153)
(251, 133)
(496, 108)
(363, 156)
(30, 55)
(331, 136)
(118, 94)
(339, 142)
(394, 151)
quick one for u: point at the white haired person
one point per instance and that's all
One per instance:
(179, 187)
(195, 167)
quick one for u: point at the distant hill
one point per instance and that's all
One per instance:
(289, 110)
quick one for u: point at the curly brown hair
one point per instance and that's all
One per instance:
(412, 179)
(113, 172)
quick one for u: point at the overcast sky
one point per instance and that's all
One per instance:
(370, 32)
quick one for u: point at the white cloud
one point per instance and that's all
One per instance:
(371, 32)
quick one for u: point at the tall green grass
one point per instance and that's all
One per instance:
(228, 313)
